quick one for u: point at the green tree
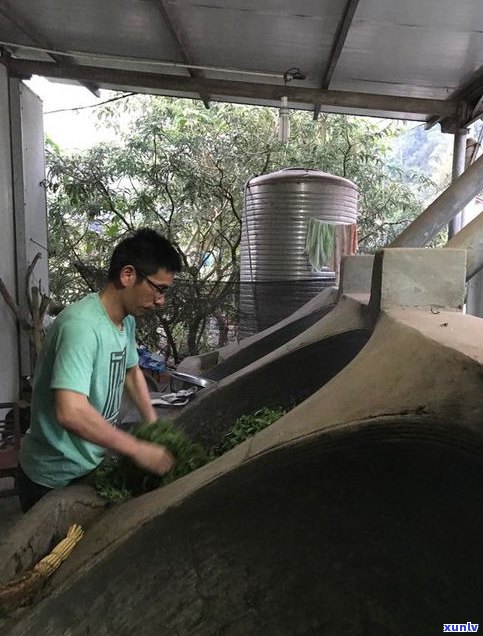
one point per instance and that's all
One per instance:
(181, 169)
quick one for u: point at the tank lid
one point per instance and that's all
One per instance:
(298, 175)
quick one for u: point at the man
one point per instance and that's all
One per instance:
(89, 356)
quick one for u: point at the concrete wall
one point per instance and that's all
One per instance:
(34, 178)
(29, 197)
(9, 369)
(23, 220)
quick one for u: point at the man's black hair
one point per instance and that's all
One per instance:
(147, 251)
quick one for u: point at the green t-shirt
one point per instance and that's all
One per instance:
(83, 352)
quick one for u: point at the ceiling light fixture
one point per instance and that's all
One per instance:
(284, 111)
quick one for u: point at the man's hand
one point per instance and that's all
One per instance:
(153, 458)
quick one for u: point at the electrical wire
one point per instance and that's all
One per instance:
(106, 101)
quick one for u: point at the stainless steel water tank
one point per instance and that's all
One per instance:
(275, 274)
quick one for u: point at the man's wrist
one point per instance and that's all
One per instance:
(125, 443)
(151, 417)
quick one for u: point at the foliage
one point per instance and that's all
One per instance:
(427, 152)
(119, 478)
(109, 481)
(248, 425)
(181, 169)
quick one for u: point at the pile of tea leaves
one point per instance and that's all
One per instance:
(248, 425)
(119, 478)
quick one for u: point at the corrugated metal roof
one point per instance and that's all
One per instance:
(414, 58)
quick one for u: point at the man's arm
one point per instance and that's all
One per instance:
(77, 415)
(139, 393)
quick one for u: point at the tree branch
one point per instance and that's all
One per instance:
(24, 323)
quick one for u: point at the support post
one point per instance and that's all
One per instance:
(443, 209)
(459, 159)
(470, 238)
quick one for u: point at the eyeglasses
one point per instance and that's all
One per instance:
(158, 289)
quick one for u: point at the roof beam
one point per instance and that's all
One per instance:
(176, 35)
(16, 18)
(472, 93)
(337, 46)
(473, 88)
(226, 89)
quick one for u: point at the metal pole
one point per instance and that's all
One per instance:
(459, 160)
(18, 177)
(443, 209)
(470, 238)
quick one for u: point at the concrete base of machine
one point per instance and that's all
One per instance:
(358, 512)
(267, 340)
(356, 274)
(44, 525)
(418, 278)
(283, 378)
